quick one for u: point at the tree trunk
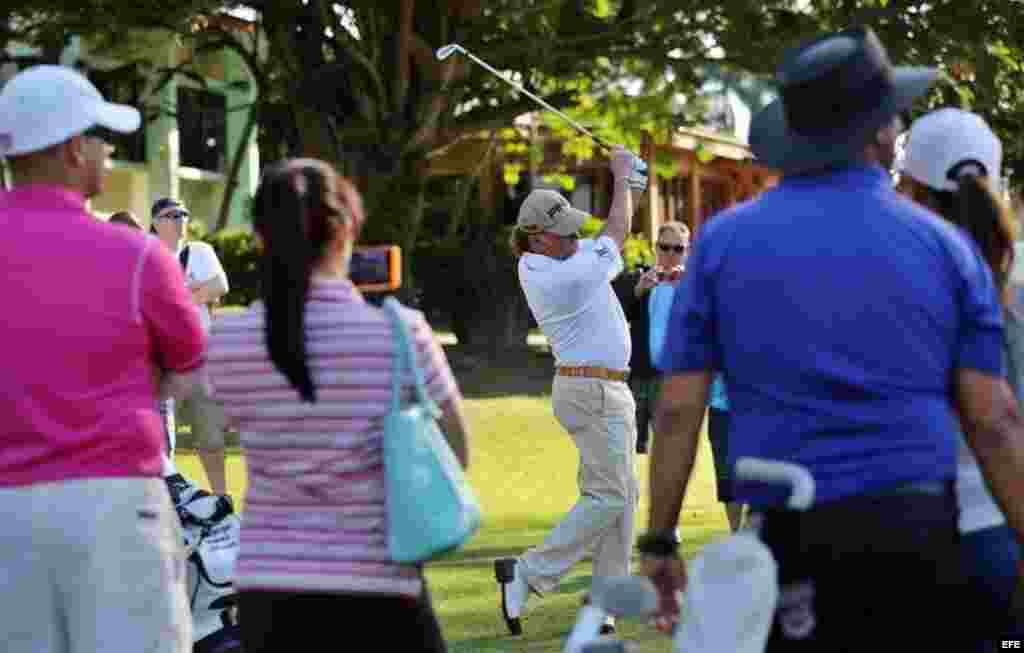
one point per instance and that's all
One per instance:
(497, 328)
(236, 165)
(478, 289)
(395, 201)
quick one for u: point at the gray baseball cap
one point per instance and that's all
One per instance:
(548, 210)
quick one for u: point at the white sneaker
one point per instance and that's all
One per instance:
(514, 593)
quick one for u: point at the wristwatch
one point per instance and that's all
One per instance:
(659, 544)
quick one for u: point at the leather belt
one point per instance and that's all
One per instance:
(593, 372)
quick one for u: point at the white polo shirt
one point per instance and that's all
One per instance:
(203, 266)
(575, 306)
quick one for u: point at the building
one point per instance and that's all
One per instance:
(713, 167)
(711, 172)
(191, 129)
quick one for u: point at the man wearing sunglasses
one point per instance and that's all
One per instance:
(567, 285)
(207, 282)
(89, 560)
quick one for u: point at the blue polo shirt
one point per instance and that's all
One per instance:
(838, 311)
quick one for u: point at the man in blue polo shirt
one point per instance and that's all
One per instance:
(847, 323)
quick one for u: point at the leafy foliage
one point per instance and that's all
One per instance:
(358, 83)
(978, 45)
(238, 254)
(636, 251)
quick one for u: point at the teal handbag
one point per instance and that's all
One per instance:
(431, 507)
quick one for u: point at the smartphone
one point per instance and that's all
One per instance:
(376, 268)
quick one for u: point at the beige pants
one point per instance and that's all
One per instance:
(92, 566)
(601, 418)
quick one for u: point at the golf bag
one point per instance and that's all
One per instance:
(211, 529)
(732, 589)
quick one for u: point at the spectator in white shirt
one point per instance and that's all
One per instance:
(208, 283)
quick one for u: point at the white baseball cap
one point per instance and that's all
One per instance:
(45, 105)
(940, 140)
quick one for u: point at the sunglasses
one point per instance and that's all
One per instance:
(679, 249)
(178, 216)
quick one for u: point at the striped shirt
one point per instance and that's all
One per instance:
(315, 507)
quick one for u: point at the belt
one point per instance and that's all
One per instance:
(915, 488)
(934, 488)
(593, 372)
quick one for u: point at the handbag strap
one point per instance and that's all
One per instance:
(404, 356)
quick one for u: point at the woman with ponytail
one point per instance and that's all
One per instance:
(306, 373)
(952, 166)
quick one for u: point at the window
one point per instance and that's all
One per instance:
(202, 125)
(124, 86)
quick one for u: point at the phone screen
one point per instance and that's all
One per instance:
(376, 268)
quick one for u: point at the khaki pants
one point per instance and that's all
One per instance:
(600, 416)
(92, 565)
(205, 415)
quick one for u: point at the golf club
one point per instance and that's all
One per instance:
(450, 49)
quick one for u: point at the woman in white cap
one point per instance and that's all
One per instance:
(952, 166)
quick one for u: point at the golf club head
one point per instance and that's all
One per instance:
(447, 50)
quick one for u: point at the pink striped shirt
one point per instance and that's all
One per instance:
(315, 509)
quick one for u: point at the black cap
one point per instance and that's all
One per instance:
(165, 203)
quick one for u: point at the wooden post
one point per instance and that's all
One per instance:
(671, 193)
(696, 211)
(654, 188)
(652, 216)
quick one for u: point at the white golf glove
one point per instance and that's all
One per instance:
(637, 179)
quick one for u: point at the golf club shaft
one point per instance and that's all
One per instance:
(536, 99)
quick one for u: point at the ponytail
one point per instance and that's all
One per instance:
(985, 217)
(285, 268)
(297, 210)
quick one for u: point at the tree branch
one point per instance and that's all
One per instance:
(236, 166)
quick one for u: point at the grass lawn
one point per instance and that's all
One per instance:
(524, 469)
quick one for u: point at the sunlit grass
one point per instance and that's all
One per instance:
(524, 471)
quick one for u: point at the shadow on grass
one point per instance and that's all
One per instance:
(506, 643)
(485, 555)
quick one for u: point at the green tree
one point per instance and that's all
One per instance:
(357, 82)
(978, 45)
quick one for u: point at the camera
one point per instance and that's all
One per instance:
(669, 274)
(376, 268)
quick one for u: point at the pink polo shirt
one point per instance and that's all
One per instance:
(88, 308)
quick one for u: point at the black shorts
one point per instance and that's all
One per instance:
(281, 621)
(868, 574)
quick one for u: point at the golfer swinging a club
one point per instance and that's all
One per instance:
(567, 285)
